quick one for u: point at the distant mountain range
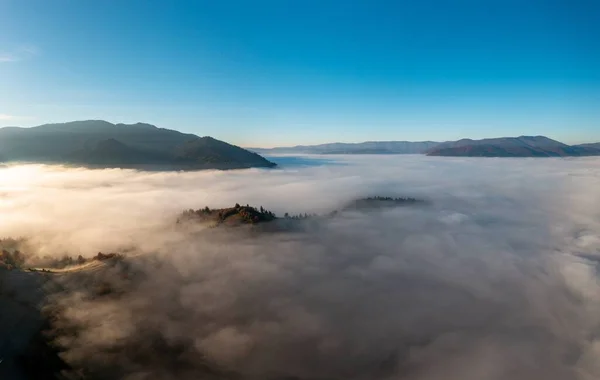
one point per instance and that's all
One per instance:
(369, 147)
(99, 143)
(592, 145)
(523, 146)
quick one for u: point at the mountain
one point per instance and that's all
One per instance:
(368, 147)
(523, 146)
(212, 152)
(103, 144)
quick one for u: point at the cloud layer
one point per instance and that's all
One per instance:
(495, 278)
(19, 54)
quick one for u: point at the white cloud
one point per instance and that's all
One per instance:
(19, 54)
(6, 57)
(7, 117)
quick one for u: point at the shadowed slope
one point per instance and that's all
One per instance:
(100, 143)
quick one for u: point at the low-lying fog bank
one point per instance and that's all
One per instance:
(495, 278)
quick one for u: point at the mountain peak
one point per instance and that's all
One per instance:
(137, 125)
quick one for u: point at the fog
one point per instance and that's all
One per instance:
(494, 278)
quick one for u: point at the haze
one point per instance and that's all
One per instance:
(494, 278)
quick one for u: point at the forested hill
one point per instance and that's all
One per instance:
(102, 144)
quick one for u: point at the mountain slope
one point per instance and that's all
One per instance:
(523, 146)
(100, 143)
(209, 151)
(112, 152)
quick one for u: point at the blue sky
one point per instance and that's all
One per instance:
(277, 72)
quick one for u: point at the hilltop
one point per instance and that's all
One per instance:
(231, 216)
(98, 143)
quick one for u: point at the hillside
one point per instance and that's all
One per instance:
(523, 146)
(103, 144)
(207, 151)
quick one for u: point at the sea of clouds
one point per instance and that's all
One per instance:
(494, 278)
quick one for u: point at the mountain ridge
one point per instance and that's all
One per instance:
(522, 146)
(379, 147)
(99, 143)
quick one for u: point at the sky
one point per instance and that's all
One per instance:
(274, 72)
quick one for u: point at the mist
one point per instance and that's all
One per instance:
(494, 277)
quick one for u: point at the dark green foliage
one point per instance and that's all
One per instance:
(239, 214)
(301, 216)
(381, 202)
(107, 256)
(14, 259)
(11, 254)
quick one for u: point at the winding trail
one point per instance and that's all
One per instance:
(90, 265)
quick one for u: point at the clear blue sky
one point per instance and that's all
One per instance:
(277, 72)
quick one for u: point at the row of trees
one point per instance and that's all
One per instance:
(11, 259)
(17, 259)
(300, 216)
(390, 199)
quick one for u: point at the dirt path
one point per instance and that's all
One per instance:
(89, 266)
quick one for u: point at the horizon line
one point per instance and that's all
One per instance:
(305, 144)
